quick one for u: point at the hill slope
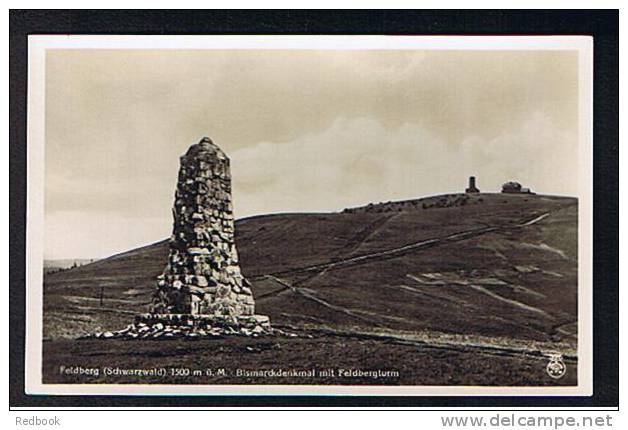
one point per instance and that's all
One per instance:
(488, 266)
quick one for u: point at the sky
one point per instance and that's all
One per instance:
(306, 131)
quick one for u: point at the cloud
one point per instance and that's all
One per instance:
(536, 153)
(357, 161)
(306, 130)
(353, 162)
(88, 234)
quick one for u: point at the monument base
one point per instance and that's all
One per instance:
(168, 326)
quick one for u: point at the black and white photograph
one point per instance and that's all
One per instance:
(310, 210)
(406, 215)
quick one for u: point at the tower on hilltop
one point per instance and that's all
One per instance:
(472, 188)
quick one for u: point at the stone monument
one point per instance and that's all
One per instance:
(201, 290)
(203, 275)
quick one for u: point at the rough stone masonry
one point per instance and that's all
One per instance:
(201, 290)
(203, 275)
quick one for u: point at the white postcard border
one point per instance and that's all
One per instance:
(38, 45)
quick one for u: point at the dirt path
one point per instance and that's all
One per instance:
(511, 302)
(371, 317)
(467, 343)
(310, 294)
(365, 234)
(402, 250)
(536, 350)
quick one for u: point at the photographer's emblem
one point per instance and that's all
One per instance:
(556, 367)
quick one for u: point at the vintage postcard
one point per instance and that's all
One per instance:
(321, 215)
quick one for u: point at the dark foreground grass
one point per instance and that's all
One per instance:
(515, 284)
(226, 361)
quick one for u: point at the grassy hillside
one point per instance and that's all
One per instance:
(517, 280)
(476, 271)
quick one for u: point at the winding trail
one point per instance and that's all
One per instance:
(402, 250)
(511, 302)
(536, 350)
(368, 231)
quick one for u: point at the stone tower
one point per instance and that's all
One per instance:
(472, 188)
(201, 292)
(202, 276)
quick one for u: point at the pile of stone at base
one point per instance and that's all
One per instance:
(169, 326)
(201, 292)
